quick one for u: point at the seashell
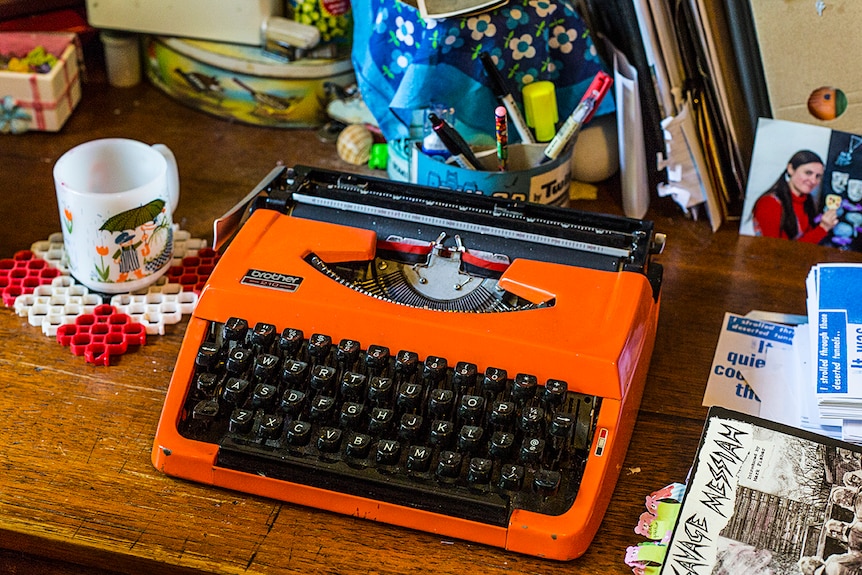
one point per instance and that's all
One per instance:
(354, 144)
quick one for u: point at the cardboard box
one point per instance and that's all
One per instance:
(806, 46)
(48, 99)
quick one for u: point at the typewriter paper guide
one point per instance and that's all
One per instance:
(595, 327)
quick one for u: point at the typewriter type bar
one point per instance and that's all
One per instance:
(331, 269)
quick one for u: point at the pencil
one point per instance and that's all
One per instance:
(502, 134)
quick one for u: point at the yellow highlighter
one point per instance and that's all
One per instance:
(540, 107)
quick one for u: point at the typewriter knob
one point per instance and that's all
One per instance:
(290, 340)
(262, 335)
(555, 392)
(495, 380)
(376, 357)
(319, 345)
(235, 329)
(546, 482)
(347, 352)
(524, 387)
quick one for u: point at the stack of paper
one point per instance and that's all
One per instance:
(835, 319)
(761, 368)
(801, 371)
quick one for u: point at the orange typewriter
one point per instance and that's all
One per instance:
(448, 362)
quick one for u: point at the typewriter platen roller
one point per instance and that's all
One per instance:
(563, 297)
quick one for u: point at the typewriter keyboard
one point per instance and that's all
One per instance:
(426, 432)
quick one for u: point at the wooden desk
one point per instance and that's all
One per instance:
(78, 492)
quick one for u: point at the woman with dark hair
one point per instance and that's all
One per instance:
(787, 209)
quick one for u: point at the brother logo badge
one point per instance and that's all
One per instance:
(272, 280)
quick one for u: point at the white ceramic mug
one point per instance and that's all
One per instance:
(116, 199)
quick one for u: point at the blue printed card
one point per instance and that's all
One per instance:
(836, 318)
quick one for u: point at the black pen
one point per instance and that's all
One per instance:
(453, 141)
(504, 95)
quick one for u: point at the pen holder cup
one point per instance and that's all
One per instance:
(525, 179)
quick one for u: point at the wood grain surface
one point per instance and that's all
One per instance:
(78, 493)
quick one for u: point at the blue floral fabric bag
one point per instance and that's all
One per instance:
(405, 64)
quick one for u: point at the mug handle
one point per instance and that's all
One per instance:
(172, 176)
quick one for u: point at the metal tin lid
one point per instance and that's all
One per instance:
(253, 60)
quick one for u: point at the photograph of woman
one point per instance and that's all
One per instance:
(788, 208)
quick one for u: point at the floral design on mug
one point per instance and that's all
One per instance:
(67, 219)
(104, 270)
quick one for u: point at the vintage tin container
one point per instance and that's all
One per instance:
(243, 83)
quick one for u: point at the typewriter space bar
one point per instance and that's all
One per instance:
(338, 477)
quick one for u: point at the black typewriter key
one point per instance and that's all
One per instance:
(352, 385)
(388, 452)
(322, 408)
(347, 352)
(265, 366)
(319, 345)
(494, 381)
(206, 383)
(471, 408)
(464, 374)
(351, 414)
(442, 433)
(235, 390)
(449, 465)
(294, 371)
(555, 392)
(298, 433)
(329, 439)
(419, 458)
(381, 420)
(532, 419)
(264, 396)
(234, 330)
(502, 445)
(511, 477)
(376, 357)
(205, 410)
(241, 421)
(322, 378)
(207, 356)
(410, 396)
(441, 402)
(262, 335)
(358, 446)
(380, 389)
(524, 387)
(562, 425)
(434, 368)
(479, 471)
(546, 482)
(406, 363)
(410, 427)
(270, 426)
(290, 340)
(292, 402)
(238, 360)
(470, 438)
(532, 449)
(502, 414)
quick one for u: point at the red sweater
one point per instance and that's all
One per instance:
(767, 219)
